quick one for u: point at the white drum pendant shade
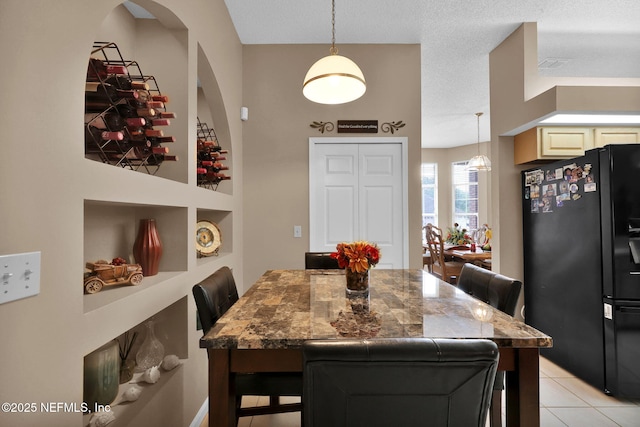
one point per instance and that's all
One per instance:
(334, 79)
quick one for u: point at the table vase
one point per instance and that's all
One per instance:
(357, 283)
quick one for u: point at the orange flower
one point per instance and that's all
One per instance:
(357, 256)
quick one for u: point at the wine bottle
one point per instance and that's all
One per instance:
(153, 132)
(166, 115)
(100, 70)
(161, 98)
(159, 150)
(98, 135)
(157, 159)
(147, 100)
(215, 176)
(160, 122)
(142, 153)
(126, 83)
(210, 156)
(99, 96)
(127, 110)
(113, 121)
(166, 139)
(214, 166)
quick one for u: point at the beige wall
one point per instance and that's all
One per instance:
(276, 173)
(444, 157)
(45, 180)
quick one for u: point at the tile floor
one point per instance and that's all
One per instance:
(564, 401)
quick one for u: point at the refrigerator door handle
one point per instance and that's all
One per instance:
(630, 310)
(634, 246)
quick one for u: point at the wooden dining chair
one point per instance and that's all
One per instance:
(398, 382)
(426, 253)
(446, 270)
(500, 292)
(214, 296)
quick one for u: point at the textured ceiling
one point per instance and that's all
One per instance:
(594, 38)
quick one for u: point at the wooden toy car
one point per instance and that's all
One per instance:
(104, 274)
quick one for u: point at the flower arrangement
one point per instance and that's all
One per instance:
(457, 235)
(357, 256)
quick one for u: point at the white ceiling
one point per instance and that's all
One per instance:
(594, 38)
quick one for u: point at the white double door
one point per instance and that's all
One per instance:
(357, 192)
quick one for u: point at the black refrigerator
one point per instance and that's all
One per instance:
(581, 237)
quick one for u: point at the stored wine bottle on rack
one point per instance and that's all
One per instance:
(157, 159)
(99, 97)
(113, 121)
(100, 70)
(127, 110)
(143, 153)
(95, 134)
(214, 176)
(124, 82)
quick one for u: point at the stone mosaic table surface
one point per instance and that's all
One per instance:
(284, 308)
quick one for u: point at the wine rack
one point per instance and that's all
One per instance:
(210, 157)
(123, 107)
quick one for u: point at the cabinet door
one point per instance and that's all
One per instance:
(607, 136)
(565, 142)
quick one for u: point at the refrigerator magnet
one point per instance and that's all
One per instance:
(546, 204)
(534, 206)
(573, 188)
(550, 190)
(563, 188)
(589, 187)
(535, 191)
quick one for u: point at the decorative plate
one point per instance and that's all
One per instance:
(208, 238)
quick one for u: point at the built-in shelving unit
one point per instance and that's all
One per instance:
(169, 327)
(174, 197)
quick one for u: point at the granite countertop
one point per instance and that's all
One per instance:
(284, 308)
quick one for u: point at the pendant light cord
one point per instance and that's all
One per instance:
(478, 116)
(333, 50)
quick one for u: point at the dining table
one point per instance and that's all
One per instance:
(462, 253)
(265, 329)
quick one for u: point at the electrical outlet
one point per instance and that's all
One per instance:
(19, 276)
(297, 231)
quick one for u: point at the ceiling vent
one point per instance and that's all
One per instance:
(552, 63)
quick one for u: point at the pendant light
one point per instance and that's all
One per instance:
(334, 79)
(479, 162)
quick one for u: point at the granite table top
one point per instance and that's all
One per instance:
(284, 308)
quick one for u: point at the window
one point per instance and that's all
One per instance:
(429, 193)
(465, 196)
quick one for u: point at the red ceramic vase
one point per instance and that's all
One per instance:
(147, 248)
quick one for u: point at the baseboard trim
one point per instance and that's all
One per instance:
(204, 409)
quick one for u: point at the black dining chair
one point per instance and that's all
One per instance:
(214, 296)
(398, 382)
(500, 292)
(320, 260)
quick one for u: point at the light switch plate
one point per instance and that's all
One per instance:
(297, 231)
(19, 276)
